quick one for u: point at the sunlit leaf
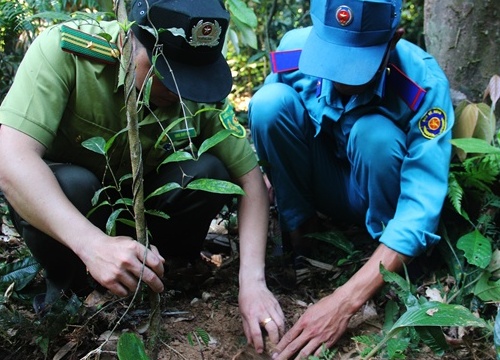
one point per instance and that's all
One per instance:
(477, 248)
(106, 36)
(248, 36)
(478, 146)
(215, 186)
(233, 37)
(442, 315)
(240, 11)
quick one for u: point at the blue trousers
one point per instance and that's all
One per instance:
(306, 172)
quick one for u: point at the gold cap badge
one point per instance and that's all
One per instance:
(205, 33)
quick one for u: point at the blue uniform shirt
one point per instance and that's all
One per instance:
(417, 100)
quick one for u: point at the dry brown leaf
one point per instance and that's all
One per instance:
(493, 89)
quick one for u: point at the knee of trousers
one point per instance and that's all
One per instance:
(270, 104)
(78, 184)
(375, 139)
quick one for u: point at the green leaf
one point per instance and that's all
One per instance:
(213, 140)
(239, 10)
(203, 335)
(98, 193)
(478, 146)
(106, 36)
(162, 190)
(486, 289)
(110, 142)
(477, 249)
(466, 120)
(434, 313)
(215, 186)
(430, 313)
(336, 239)
(158, 213)
(96, 144)
(396, 347)
(496, 334)
(391, 311)
(130, 347)
(485, 126)
(147, 91)
(20, 272)
(111, 223)
(392, 277)
(433, 337)
(248, 35)
(177, 157)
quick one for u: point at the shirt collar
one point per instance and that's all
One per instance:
(375, 92)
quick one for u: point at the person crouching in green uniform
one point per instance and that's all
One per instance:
(70, 88)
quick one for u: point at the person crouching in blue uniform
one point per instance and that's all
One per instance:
(354, 123)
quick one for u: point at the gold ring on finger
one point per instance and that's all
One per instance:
(264, 322)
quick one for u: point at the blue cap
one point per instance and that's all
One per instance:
(349, 38)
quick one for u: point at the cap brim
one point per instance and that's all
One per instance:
(208, 83)
(341, 64)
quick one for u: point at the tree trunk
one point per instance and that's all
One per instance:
(464, 37)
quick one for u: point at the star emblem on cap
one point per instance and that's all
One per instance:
(344, 15)
(205, 33)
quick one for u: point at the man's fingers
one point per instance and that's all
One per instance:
(155, 251)
(154, 260)
(273, 331)
(152, 280)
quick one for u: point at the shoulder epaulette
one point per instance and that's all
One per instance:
(90, 46)
(287, 60)
(410, 92)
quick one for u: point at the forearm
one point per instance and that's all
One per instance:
(253, 217)
(363, 285)
(32, 189)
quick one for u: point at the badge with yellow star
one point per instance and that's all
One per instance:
(229, 121)
(433, 123)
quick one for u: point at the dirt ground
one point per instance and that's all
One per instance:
(200, 317)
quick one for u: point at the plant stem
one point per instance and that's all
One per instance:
(137, 172)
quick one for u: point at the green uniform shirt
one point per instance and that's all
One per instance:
(62, 99)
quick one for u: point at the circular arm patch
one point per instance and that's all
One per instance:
(432, 123)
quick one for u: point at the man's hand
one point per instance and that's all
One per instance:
(326, 321)
(257, 304)
(322, 323)
(118, 262)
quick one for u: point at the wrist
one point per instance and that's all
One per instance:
(351, 300)
(247, 275)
